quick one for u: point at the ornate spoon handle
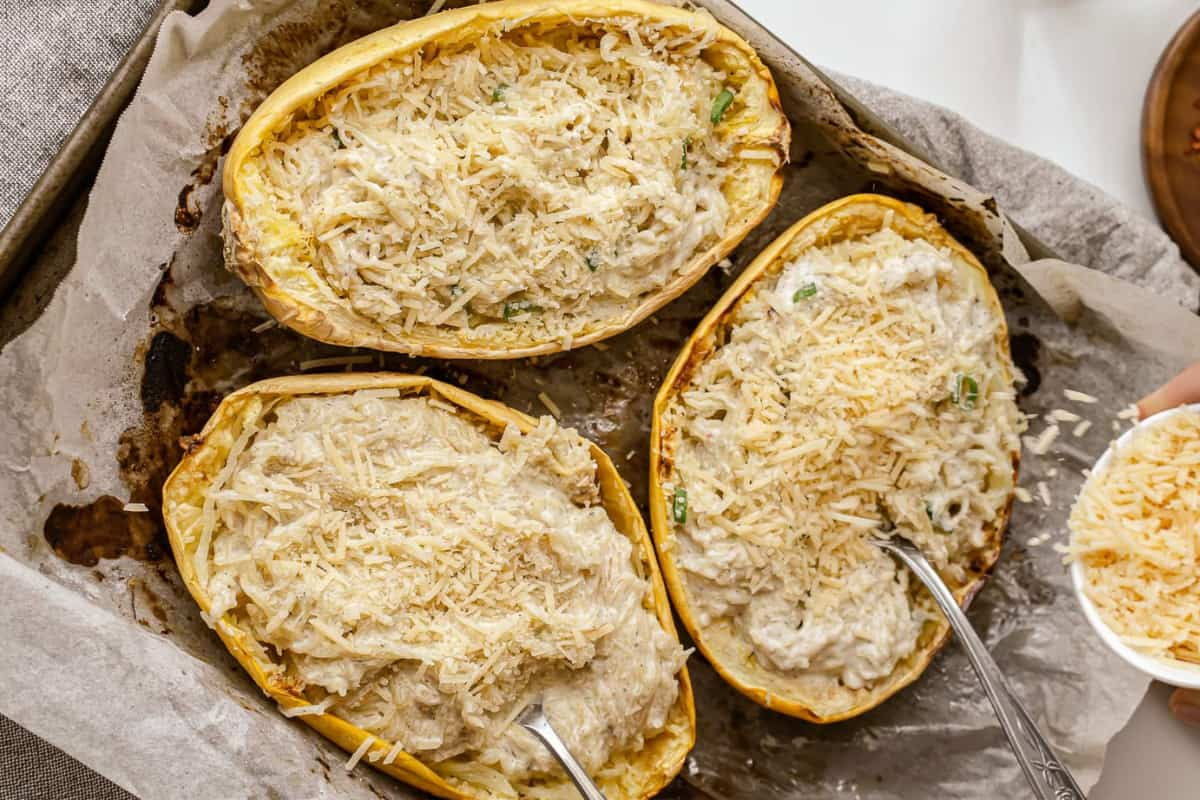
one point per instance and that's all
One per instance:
(1049, 777)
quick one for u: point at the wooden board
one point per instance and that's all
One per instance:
(1171, 139)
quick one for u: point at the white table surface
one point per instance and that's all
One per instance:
(1063, 79)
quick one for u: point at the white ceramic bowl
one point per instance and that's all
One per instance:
(1170, 671)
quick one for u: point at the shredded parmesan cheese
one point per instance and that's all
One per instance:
(1041, 445)
(861, 390)
(136, 508)
(1136, 530)
(393, 753)
(334, 361)
(546, 178)
(550, 405)
(422, 579)
(312, 709)
(1079, 397)
(357, 755)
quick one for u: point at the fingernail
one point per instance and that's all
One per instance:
(1185, 711)
(1150, 404)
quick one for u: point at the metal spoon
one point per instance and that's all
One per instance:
(534, 720)
(1049, 777)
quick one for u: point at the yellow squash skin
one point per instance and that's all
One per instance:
(848, 218)
(648, 770)
(298, 301)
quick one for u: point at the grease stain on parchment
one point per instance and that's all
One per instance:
(218, 138)
(274, 58)
(101, 529)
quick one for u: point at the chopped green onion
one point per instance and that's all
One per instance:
(966, 392)
(592, 260)
(687, 145)
(498, 92)
(804, 292)
(337, 137)
(929, 510)
(517, 307)
(720, 105)
(679, 506)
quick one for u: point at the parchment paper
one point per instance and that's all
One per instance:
(104, 653)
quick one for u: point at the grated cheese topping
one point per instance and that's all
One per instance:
(357, 755)
(424, 581)
(546, 178)
(1136, 529)
(837, 411)
(1040, 445)
(314, 709)
(1080, 397)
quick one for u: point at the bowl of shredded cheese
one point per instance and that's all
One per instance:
(1135, 546)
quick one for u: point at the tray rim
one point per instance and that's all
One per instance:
(67, 173)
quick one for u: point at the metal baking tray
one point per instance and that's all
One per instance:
(37, 250)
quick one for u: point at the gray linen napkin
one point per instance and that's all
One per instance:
(55, 56)
(32, 769)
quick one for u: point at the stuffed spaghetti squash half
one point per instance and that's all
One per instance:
(505, 179)
(404, 566)
(854, 382)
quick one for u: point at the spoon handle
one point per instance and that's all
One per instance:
(1049, 777)
(536, 722)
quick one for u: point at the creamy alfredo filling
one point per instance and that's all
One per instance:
(543, 178)
(860, 391)
(424, 581)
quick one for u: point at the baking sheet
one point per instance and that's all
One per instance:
(147, 331)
